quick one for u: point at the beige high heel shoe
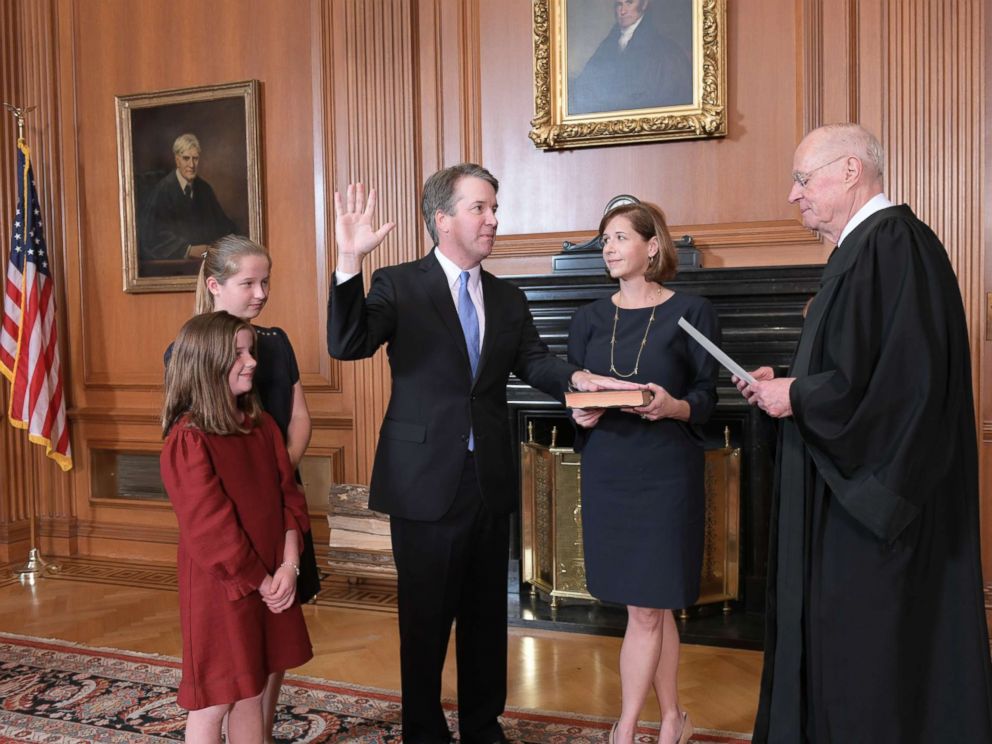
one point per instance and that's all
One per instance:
(687, 730)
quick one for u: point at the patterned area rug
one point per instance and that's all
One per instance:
(62, 693)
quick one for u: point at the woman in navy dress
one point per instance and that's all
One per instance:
(643, 498)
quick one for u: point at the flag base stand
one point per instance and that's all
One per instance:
(34, 567)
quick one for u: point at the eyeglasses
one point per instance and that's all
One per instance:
(803, 178)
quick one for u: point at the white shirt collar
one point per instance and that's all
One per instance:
(182, 181)
(876, 204)
(454, 273)
(626, 33)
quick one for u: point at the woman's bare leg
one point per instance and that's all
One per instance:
(639, 658)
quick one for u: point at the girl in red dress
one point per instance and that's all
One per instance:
(240, 516)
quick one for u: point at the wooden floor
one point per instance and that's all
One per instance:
(547, 670)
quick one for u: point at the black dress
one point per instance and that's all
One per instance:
(643, 499)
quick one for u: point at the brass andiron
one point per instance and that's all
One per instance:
(551, 523)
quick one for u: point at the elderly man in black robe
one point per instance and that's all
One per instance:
(181, 216)
(876, 629)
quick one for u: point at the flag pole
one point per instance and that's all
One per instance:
(19, 114)
(29, 571)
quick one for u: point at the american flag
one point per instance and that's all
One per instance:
(29, 349)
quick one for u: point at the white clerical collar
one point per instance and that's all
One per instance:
(876, 204)
(454, 273)
(626, 33)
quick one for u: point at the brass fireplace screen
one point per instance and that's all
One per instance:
(552, 522)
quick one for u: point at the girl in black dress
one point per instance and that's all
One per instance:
(234, 277)
(643, 499)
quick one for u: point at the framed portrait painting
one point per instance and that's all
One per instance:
(188, 162)
(620, 71)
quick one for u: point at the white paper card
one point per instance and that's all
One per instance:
(715, 351)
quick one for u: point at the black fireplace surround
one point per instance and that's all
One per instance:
(760, 312)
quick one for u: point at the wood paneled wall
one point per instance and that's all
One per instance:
(29, 482)
(934, 122)
(388, 91)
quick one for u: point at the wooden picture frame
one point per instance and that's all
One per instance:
(163, 227)
(603, 78)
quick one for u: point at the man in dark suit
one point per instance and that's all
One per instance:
(181, 215)
(444, 466)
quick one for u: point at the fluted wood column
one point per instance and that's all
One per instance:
(371, 136)
(29, 78)
(933, 130)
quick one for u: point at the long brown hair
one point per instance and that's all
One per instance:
(222, 260)
(196, 377)
(648, 221)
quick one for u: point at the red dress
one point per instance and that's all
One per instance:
(234, 496)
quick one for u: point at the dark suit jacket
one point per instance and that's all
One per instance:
(434, 402)
(170, 221)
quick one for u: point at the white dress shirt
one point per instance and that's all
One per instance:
(182, 181)
(876, 204)
(626, 33)
(454, 276)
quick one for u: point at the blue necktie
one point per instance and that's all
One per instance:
(470, 323)
(470, 327)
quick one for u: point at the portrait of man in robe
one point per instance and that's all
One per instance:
(628, 55)
(189, 175)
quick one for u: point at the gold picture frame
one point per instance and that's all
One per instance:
(162, 226)
(587, 93)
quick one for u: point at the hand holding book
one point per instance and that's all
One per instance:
(651, 402)
(585, 381)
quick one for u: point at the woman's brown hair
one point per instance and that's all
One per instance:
(648, 221)
(222, 260)
(196, 377)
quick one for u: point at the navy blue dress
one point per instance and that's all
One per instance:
(643, 501)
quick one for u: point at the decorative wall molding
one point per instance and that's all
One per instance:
(102, 414)
(812, 64)
(853, 61)
(136, 533)
(935, 158)
(372, 116)
(329, 377)
(733, 235)
(934, 128)
(470, 54)
(328, 421)
(29, 78)
(15, 532)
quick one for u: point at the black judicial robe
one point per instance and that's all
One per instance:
(170, 222)
(876, 629)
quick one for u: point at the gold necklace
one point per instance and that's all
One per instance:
(613, 342)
